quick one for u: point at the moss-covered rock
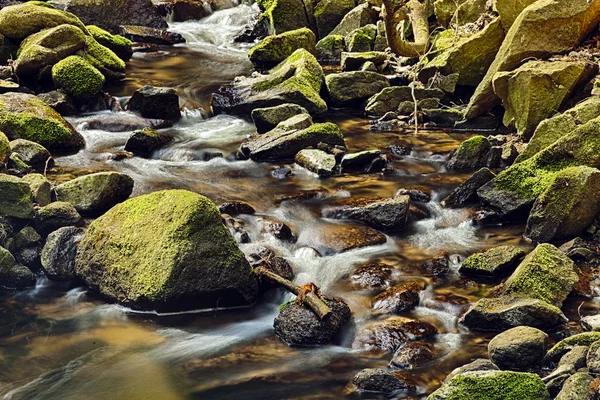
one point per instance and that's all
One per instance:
(95, 193)
(552, 129)
(46, 48)
(7, 261)
(545, 28)
(33, 154)
(567, 207)
(509, 10)
(118, 44)
(519, 349)
(492, 262)
(297, 80)
(316, 161)
(16, 200)
(22, 20)
(534, 91)
(329, 49)
(104, 60)
(471, 153)
(445, 11)
(276, 48)
(362, 39)
(347, 88)
(165, 251)
(355, 61)
(492, 385)
(329, 13)
(268, 118)
(55, 216)
(361, 15)
(470, 57)
(561, 348)
(5, 150)
(280, 16)
(77, 77)
(391, 99)
(24, 116)
(280, 144)
(546, 274)
(41, 189)
(577, 386)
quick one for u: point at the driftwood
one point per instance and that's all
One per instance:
(307, 297)
(396, 11)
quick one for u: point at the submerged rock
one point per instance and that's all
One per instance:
(387, 215)
(399, 298)
(300, 326)
(372, 276)
(413, 355)
(518, 349)
(144, 142)
(392, 332)
(139, 255)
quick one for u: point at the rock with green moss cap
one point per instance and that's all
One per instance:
(492, 262)
(7, 261)
(329, 13)
(297, 80)
(577, 387)
(41, 189)
(501, 313)
(55, 216)
(33, 154)
(513, 192)
(166, 251)
(534, 91)
(280, 16)
(276, 48)
(348, 88)
(471, 153)
(95, 193)
(534, 34)
(492, 385)
(316, 161)
(118, 44)
(268, 118)
(564, 346)
(279, 144)
(445, 11)
(46, 48)
(362, 39)
(546, 274)
(104, 60)
(24, 116)
(5, 150)
(552, 129)
(469, 57)
(77, 77)
(567, 207)
(329, 49)
(297, 122)
(16, 199)
(391, 98)
(355, 61)
(22, 20)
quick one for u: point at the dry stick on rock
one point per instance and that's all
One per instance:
(310, 298)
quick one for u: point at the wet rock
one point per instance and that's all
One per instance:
(58, 254)
(329, 13)
(415, 194)
(95, 193)
(446, 117)
(297, 80)
(577, 387)
(56, 215)
(376, 380)
(16, 200)
(518, 349)
(591, 322)
(354, 61)
(121, 46)
(390, 99)
(392, 332)
(564, 346)
(216, 271)
(300, 326)
(329, 49)
(498, 314)
(492, 385)
(125, 122)
(360, 160)
(438, 265)
(156, 102)
(370, 276)
(268, 118)
(237, 228)
(184, 10)
(480, 364)
(17, 277)
(466, 192)
(5, 151)
(236, 208)
(146, 141)
(492, 262)
(388, 215)
(279, 144)
(26, 237)
(280, 230)
(33, 154)
(143, 34)
(349, 88)
(267, 259)
(316, 161)
(276, 48)
(593, 357)
(552, 83)
(281, 173)
(339, 238)
(24, 116)
(471, 154)
(22, 20)
(399, 298)
(413, 355)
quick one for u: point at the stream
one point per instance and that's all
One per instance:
(58, 342)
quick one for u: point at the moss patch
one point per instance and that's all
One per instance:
(22, 20)
(77, 77)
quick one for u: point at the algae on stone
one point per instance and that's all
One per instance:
(77, 77)
(16, 199)
(22, 20)
(120, 45)
(276, 48)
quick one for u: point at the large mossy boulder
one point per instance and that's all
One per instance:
(46, 48)
(296, 80)
(22, 20)
(24, 116)
(544, 28)
(534, 91)
(280, 16)
(276, 48)
(546, 274)
(15, 198)
(329, 13)
(518, 349)
(280, 144)
(469, 57)
(165, 251)
(95, 193)
(567, 207)
(347, 88)
(120, 45)
(513, 192)
(492, 385)
(111, 14)
(77, 77)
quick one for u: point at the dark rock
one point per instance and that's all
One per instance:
(58, 255)
(236, 208)
(480, 364)
(518, 349)
(481, 123)
(300, 326)
(388, 215)
(144, 142)
(18, 277)
(350, 88)
(338, 238)
(59, 101)
(150, 35)
(392, 332)
(375, 380)
(466, 192)
(471, 154)
(30, 257)
(33, 154)
(398, 150)
(413, 355)
(439, 265)
(399, 298)
(281, 173)
(156, 102)
(185, 10)
(360, 160)
(280, 230)
(372, 276)
(414, 194)
(26, 237)
(56, 215)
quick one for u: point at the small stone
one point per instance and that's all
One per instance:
(466, 192)
(402, 297)
(518, 349)
(387, 215)
(234, 208)
(391, 333)
(591, 322)
(280, 230)
(144, 142)
(439, 265)
(372, 276)
(576, 358)
(316, 161)
(492, 262)
(33, 154)
(26, 237)
(156, 102)
(56, 215)
(41, 189)
(413, 355)
(18, 277)
(375, 380)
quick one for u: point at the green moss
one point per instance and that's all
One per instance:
(285, 305)
(77, 77)
(118, 44)
(104, 59)
(562, 347)
(473, 147)
(5, 150)
(327, 128)
(331, 41)
(492, 261)
(276, 48)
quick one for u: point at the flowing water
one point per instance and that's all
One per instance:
(59, 342)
